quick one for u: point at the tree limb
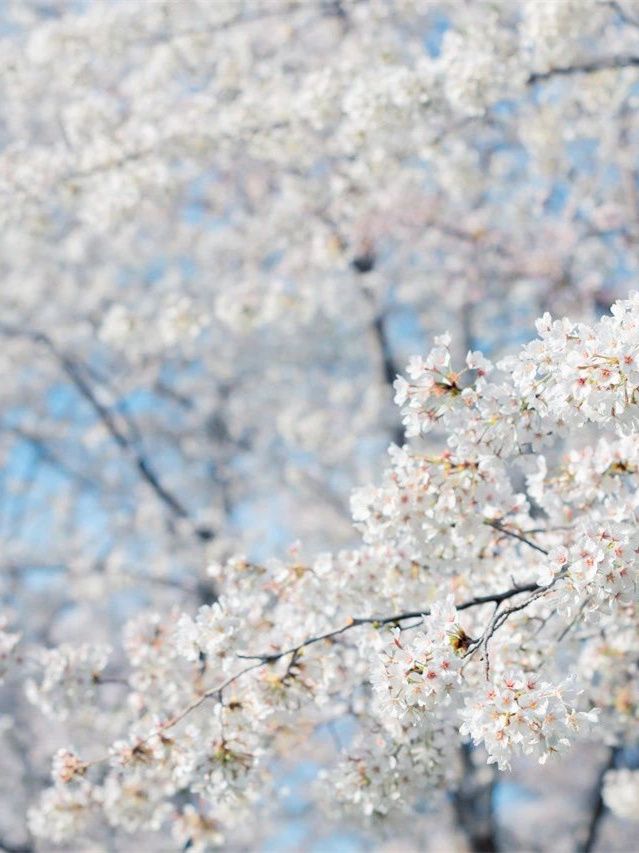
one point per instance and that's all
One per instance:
(497, 525)
(589, 838)
(477, 601)
(146, 471)
(589, 67)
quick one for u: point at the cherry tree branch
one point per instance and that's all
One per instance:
(589, 839)
(6, 847)
(622, 14)
(493, 598)
(261, 660)
(587, 67)
(212, 691)
(378, 621)
(473, 804)
(122, 440)
(389, 369)
(497, 525)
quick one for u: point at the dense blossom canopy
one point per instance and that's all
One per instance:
(225, 227)
(511, 585)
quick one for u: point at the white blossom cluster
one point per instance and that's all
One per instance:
(517, 712)
(421, 646)
(420, 674)
(378, 777)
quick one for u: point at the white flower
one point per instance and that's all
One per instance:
(478, 361)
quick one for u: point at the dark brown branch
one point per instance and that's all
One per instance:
(622, 14)
(6, 847)
(590, 67)
(258, 661)
(143, 466)
(589, 839)
(477, 601)
(497, 525)
(474, 807)
(389, 367)
(50, 457)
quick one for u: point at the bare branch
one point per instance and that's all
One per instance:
(515, 535)
(622, 14)
(7, 847)
(146, 471)
(590, 67)
(589, 839)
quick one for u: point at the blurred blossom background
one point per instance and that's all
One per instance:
(226, 225)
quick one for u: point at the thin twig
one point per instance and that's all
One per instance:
(589, 67)
(478, 600)
(497, 525)
(271, 657)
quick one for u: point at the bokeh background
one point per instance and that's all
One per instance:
(226, 225)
